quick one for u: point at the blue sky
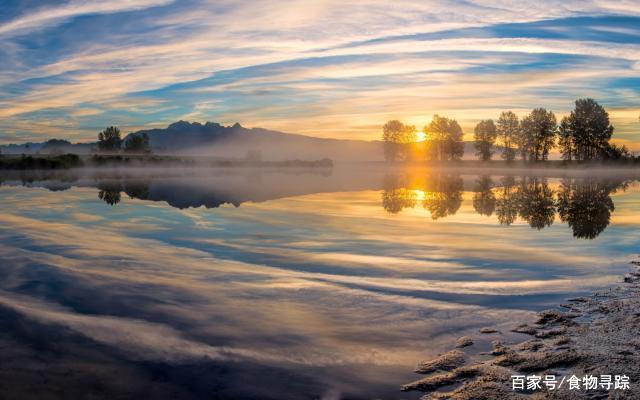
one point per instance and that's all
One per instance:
(324, 68)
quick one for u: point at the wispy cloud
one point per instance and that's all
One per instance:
(51, 16)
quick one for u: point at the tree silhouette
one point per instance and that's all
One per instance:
(507, 129)
(109, 140)
(537, 134)
(484, 201)
(613, 151)
(397, 137)
(566, 141)
(585, 133)
(444, 139)
(444, 195)
(485, 136)
(137, 143)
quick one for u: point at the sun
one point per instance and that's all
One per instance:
(421, 137)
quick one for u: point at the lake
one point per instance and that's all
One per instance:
(286, 284)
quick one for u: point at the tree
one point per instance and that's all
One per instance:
(485, 136)
(444, 137)
(566, 140)
(537, 135)
(585, 133)
(137, 143)
(397, 137)
(109, 140)
(615, 152)
(507, 129)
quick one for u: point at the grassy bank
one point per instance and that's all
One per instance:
(65, 161)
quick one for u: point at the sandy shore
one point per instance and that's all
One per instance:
(591, 336)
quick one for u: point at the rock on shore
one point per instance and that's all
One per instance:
(597, 335)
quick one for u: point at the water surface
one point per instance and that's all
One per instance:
(285, 284)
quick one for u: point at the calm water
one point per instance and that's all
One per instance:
(284, 285)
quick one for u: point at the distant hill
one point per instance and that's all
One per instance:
(236, 141)
(231, 142)
(52, 146)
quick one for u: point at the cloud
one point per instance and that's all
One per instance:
(51, 16)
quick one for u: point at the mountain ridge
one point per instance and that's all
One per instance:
(214, 139)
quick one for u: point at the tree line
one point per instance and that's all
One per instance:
(583, 135)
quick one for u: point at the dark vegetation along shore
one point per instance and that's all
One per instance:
(68, 161)
(592, 336)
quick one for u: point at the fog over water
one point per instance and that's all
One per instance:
(286, 284)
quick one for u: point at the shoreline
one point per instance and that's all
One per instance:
(594, 335)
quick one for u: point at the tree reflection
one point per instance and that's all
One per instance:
(109, 192)
(584, 204)
(537, 203)
(396, 197)
(444, 195)
(484, 201)
(507, 203)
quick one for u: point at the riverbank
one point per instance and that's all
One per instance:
(596, 336)
(68, 161)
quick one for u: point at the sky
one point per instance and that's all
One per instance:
(324, 68)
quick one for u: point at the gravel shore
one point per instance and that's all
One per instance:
(588, 337)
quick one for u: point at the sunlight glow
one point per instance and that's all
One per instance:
(419, 195)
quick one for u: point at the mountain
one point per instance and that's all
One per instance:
(236, 141)
(52, 146)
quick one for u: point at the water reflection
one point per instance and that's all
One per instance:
(443, 196)
(484, 200)
(311, 289)
(584, 203)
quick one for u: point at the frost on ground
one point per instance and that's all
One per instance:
(596, 335)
